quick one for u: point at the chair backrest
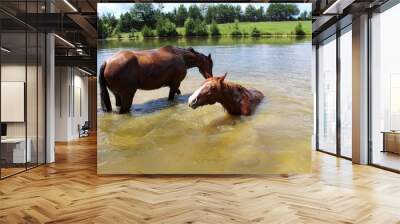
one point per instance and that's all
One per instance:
(86, 125)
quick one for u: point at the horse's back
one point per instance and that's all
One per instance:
(121, 59)
(145, 69)
(137, 62)
(119, 62)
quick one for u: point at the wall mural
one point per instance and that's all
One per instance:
(204, 88)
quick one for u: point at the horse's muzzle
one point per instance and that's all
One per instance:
(192, 104)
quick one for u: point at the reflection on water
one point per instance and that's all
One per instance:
(149, 43)
(169, 137)
(156, 105)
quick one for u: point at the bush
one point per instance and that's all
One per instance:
(201, 28)
(190, 27)
(119, 36)
(298, 30)
(165, 28)
(147, 32)
(195, 28)
(255, 32)
(236, 31)
(214, 30)
(132, 33)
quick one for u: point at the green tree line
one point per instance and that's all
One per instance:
(145, 17)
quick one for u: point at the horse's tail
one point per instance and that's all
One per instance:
(104, 95)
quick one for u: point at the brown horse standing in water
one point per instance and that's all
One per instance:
(236, 99)
(127, 71)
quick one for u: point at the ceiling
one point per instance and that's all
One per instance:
(329, 15)
(74, 22)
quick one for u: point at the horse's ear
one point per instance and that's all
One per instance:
(223, 77)
(209, 56)
(191, 49)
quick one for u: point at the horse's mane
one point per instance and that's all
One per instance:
(189, 53)
(233, 86)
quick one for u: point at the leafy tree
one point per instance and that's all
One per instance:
(238, 14)
(165, 28)
(106, 25)
(181, 15)
(144, 14)
(200, 28)
(101, 29)
(309, 16)
(250, 13)
(282, 12)
(195, 27)
(171, 16)
(194, 12)
(147, 32)
(214, 30)
(190, 27)
(298, 30)
(226, 13)
(222, 13)
(210, 14)
(117, 30)
(303, 15)
(291, 11)
(110, 20)
(125, 23)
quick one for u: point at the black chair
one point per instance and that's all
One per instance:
(84, 130)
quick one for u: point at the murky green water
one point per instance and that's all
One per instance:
(162, 137)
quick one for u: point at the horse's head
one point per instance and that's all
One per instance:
(208, 93)
(204, 63)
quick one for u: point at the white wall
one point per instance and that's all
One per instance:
(62, 81)
(33, 127)
(71, 102)
(15, 72)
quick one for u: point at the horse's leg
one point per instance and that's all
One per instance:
(126, 102)
(117, 100)
(171, 94)
(172, 90)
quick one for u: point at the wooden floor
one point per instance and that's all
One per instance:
(69, 191)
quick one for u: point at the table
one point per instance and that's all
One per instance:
(13, 150)
(391, 141)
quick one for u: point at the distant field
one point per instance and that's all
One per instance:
(266, 28)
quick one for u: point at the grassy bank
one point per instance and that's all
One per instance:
(266, 28)
(272, 28)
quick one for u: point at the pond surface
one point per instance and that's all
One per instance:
(161, 137)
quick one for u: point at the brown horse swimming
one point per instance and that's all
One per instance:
(236, 99)
(127, 71)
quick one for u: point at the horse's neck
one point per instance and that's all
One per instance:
(231, 97)
(190, 59)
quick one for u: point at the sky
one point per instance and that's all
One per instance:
(118, 8)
